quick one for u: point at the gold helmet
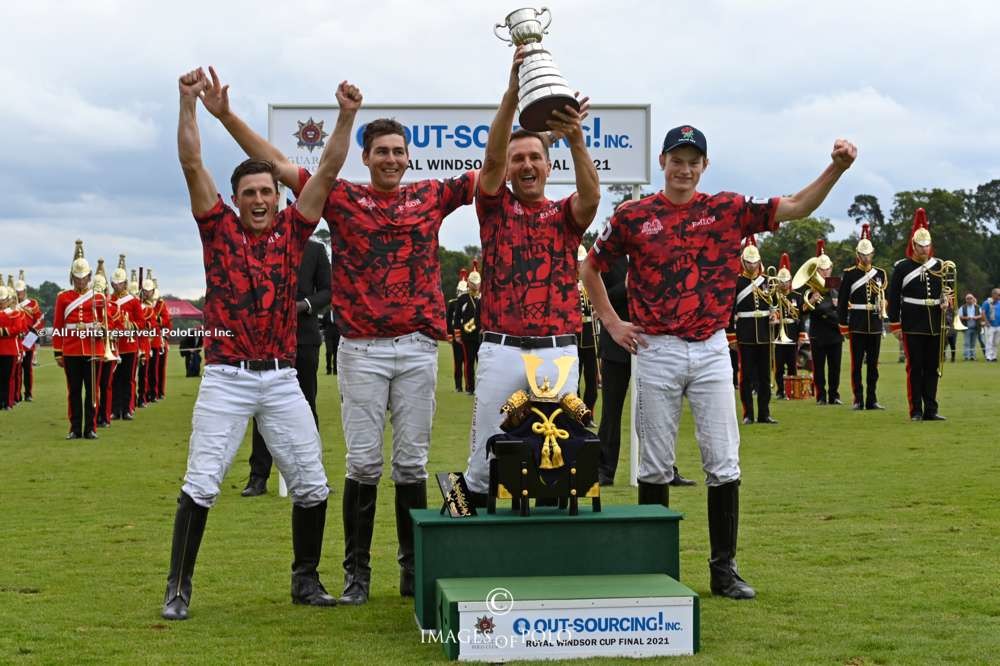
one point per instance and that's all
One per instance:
(79, 268)
(785, 270)
(156, 290)
(147, 281)
(10, 281)
(475, 279)
(865, 244)
(822, 261)
(20, 285)
(581, 253)
(920, 234)
(463, 282)
(133, 283)
(100, 278)
(5, 296)
(120, 275)
(750, 253)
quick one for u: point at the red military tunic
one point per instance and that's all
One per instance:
(77, 328)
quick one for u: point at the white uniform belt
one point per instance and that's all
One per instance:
(922, 301)
(861, 306)
(83, 326)
(756, 314)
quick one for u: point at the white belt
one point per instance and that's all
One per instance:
(756, 314)
(83, 326)
(861, 306)
(922, 301)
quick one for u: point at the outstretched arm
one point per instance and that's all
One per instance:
(199, 181)
(809, 198)
(313, 196)
(493, 173)
(566, 123)
(216, 100)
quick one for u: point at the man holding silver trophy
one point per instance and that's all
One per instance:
(530, 298)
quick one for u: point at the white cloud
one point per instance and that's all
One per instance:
(89, 110)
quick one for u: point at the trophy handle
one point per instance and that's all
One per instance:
(548, 22)
(509, 42)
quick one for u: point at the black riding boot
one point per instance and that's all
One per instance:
(654, 493)
(307, 543)
(359, 523)
(411, 496)
(189, 526)
(723, 526)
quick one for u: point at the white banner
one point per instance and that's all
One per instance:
(446, 140)
(577, 628)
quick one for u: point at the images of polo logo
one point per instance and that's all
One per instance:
(651, 226)
(310, 134)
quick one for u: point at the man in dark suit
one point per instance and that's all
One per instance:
(616, 372)
(331, 338)
(312, 297)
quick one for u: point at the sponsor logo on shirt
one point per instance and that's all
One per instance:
(366, 202)
(412, 203)
(703, 222)
(651, 226)
(546, 214)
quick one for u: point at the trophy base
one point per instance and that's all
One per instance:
(534, 115)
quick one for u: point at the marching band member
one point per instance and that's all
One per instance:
(129, 314)
(586, 343)
(36, 321)
(455, 329)
(790, 311)
(860, 306)
(467, 320)
(753, 313)
(917, 300)
(825, 339)
(75, 343)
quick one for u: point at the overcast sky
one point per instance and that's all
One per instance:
(89, 106)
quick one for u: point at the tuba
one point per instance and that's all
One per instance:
(808, 275)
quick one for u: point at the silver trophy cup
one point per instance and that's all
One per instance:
(541, 88)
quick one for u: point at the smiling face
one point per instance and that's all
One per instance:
(682, 169)
(528, 168)
(256, 198)
(387, 160)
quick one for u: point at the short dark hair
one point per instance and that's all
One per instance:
(528, 134)
(381, 127)
(250, 167)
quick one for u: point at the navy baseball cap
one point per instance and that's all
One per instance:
(685, 135)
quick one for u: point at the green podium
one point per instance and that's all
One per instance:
(567, 617)
(627, 539)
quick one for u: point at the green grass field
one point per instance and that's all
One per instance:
(870, 539)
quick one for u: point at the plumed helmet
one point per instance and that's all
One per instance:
(133, 283)
(920, 234)
(20, 285)
(475, 279)
(121, 273)
(79, 268)
(865, 244)
(581, 253)
(750, 253)
(785, 268)
(822, 261)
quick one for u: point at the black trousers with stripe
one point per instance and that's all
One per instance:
(921, 372)
(864, 350)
